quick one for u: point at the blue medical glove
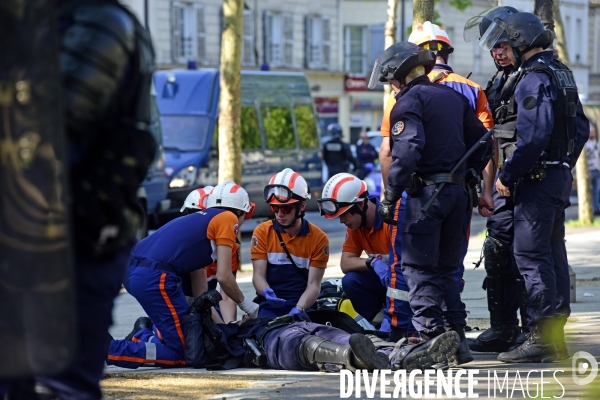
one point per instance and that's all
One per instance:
(385, 326)
(295, 311)
(382, 270)
(271, 297)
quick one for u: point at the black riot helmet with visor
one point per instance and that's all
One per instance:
(476, 26)
(398, 60)
(517, 30)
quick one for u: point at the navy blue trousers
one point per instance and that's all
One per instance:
(282, 344)
(98, 283)
(539, 245)
(500, 226)
(431, 252)
(365, 291)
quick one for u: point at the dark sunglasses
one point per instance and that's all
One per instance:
(284, 209)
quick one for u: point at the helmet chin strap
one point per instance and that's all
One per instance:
(519, 55)
(363, 213)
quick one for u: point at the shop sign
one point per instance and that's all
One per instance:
(355, 83)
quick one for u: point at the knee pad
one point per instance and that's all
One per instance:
(497, 256)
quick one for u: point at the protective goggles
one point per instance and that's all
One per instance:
(281, 193)
(331, 207)
(285, 209)
(250, 213)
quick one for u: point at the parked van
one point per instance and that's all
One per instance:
(152, 193)
(279, 129)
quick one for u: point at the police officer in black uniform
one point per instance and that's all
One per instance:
(432, 126)
(503, 279)
(106, 62)
(336, 153)
(542, 130)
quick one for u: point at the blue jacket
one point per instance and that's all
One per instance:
(432, 126)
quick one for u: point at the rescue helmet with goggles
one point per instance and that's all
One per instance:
(197, 198)
(396, 62)
(286, 186)
(340, 194)
(517, 30)
(433, 37)
(232, 196)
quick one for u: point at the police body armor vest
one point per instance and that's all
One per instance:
(109, 124)
(564, 109)
(493, 92)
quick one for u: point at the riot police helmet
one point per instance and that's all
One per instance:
(335, 130)
(398, 60)
(476, 26)
(520, 29)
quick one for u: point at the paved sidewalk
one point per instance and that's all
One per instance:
(583, 246)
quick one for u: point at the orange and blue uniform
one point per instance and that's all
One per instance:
(184, 245)
(364, 288)
(309, 249)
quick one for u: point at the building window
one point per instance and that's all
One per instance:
(248, 51)
(318, 42)
(362, 46)
(188, 32)
(355, 46)
(279, 39)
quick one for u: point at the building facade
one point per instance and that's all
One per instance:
(335, 42)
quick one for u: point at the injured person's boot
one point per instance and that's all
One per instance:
(495, 339)
(427, 354)
(359, 354)
(140, 323)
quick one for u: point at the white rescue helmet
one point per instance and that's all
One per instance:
(433, 37)
(428, 32)
(197, 198)
(286, 186)
(340, 193)
(229, 195)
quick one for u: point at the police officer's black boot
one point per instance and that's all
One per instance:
(495, 339)
(432, 353)
(139, 324)
(539, 346)
(463, 354)
(562, 352)
(359, 354)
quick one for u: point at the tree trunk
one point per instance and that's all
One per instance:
(390, 39)
(422, 11)
(545, 11)
(584, 193)
(230, 142)
(561, 40)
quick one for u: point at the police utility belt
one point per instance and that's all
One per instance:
(421, 180)
(538, 172)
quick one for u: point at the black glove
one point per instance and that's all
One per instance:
(387, 206)
(205, 301)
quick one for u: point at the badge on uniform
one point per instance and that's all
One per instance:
(398, 128)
